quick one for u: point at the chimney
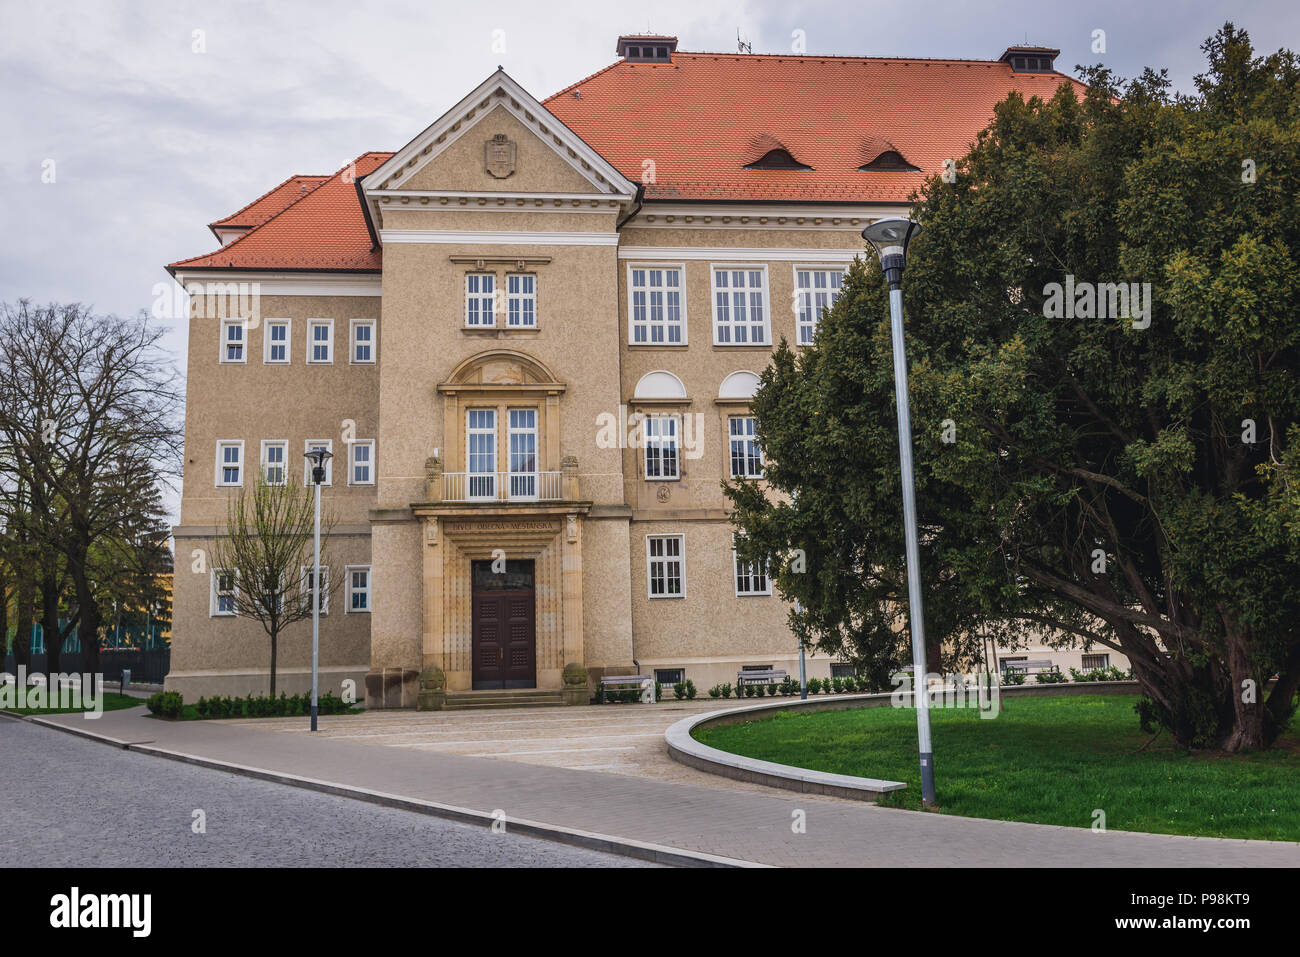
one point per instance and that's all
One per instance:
(1028, 59)
(647, 48)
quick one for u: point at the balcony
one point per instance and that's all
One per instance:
(502, 487)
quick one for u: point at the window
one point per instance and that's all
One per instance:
(670, 676)
(664, 566)
(660, 432)
(777, 159)
(1095, 661)
(739, 306)
(223, 592)
(320, 340)
(842, 670)
(230, 463)
(233, 334)
(816, 291)
(481, 457)
(655, 312)
(523, 453)
(363, 340)
(328, 446)
(521, 301)
(307, 584)
(480, 299)
(275, 341)
(358, 589)
(361, 462)
(746, 456)
(750, 577)
(275, 454)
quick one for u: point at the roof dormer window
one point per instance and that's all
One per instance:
(890, 161)
(778, 158)
(647, 49)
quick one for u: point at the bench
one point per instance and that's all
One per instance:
(623, 683)
(766, 676)
(1029, 667)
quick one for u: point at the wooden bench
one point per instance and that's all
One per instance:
(623, 682)
(1042, 666)
(767, 676)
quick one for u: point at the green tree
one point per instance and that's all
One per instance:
(1125, 478)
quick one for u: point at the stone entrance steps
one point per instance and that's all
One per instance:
(522, 698)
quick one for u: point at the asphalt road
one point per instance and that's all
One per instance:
(68, 802)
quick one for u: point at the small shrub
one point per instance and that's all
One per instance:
(837, 685)
(659, 691)
(771, 689)
(715, 692)
(814, 685)
(679, 690)
(690, 690)
(1049, 678)
(726, 690)
(850, 684)
(166, 704)
(1013, 677)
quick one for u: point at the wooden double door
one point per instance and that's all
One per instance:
(504, 625)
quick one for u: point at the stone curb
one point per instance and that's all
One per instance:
(682, 747)
(626, 847)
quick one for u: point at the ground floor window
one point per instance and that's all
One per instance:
(842, 670)
(670, 676)
(223, 592)
(664, 566)
(1095, 661)
(308, 584)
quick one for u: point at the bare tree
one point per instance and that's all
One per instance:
(268, 540)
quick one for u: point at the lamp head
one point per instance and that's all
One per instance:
(890, 239)
(318, 457)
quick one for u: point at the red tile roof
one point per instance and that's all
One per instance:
(323, 229)
(269, 203)
(699, 117)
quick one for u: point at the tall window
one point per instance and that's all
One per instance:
(664, 566)
(661, 459)
(655, 306)
(523, 453)
(817, 290)
(309, 583)
(750, 577)
(739, 307)
(274, 458)
(480, 299)
(746, 456)
(223, 592)
(358, 588)
(521, 300)
(311, 445)
(363, 340)
(233, 334)
(481, 460)
(276, 341)
(361, 462)
(230, 463)
(320, 340)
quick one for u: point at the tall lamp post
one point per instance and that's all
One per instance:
(890, 238)
(318, 457)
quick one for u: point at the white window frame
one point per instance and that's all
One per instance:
(480, 297)
(352, 460)
(748, 568)
(214, 594)
(267, 342)
(242, 325)
(681, 324)
(521, 297)
(470, 474)
(731, 438)
(650, 561)
(369, 589)
(714, 289)
(523, 483)
(284, 466)
(328, 445)
(312, 325)
(353, 325)
(304, 591)
(219, 476)
(834, 294)
(653, 439)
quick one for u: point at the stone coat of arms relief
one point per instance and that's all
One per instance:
(499, 156)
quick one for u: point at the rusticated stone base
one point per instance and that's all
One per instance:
(392, 688)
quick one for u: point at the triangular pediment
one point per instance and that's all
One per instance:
(499, 138)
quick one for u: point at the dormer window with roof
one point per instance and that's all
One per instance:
(890, 161)
(777, 159)
(647, 49)
(1030, 59)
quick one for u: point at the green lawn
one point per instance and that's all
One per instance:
(1050, 760)
(112, 702)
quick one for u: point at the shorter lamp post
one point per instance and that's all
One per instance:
(890, 238)
(318, 457)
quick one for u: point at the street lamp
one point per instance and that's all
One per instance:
(890, 238)
(318, 457)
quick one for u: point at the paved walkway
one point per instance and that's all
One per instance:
(732, 822)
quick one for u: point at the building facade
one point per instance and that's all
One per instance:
(529, 338)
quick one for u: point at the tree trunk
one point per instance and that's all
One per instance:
(25, 599)
(1246, 688)
(50, 621)
(273, 656)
